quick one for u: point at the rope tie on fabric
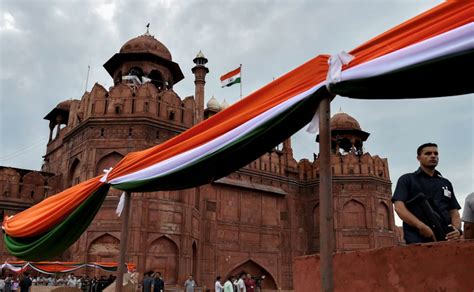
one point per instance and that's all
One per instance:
(5, 218)
(106, 171)
(336, 62)
(121, 202)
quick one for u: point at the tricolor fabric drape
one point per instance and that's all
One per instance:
(52, 268)
(426, 56)
(423, 57)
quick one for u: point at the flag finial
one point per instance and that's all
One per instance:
(147, 29)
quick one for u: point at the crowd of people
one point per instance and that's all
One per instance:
(24, 282)
(243, 283)
(10, 283)
(154, 282)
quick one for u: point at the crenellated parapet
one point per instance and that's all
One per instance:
(362, 165)
(157, 115)
(21, 188)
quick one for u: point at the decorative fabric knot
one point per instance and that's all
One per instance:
(106, 171)
(336, 62)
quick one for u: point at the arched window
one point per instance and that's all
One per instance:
(136, 71)
(157, 79)
(104, 249)
(354, 215)
(107, 161)
(118, 78)
(383, 219)
(162, 256)
(74, 173)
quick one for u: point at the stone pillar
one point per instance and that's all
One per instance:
(51, 128)
(199, 71)
(59, 120)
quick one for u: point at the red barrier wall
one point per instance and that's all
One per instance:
(446, 266)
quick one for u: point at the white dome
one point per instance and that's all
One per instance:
(224, 104)
(213, 104)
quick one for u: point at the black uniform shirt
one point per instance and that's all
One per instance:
(436, 188)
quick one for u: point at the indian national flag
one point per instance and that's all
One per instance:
(231, 78)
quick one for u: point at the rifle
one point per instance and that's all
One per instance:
(422, 209)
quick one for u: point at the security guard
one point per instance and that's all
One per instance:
(439, 193)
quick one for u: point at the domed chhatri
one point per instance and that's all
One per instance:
(343, 121)
(146, 44)
(224, 104)
(145, 56)
(346, 135)
(64, 105)
(213, 104)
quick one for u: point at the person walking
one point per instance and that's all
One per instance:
(228, 285)
(147, 281)
(249, 283)
(25, 283)
(240, 283)
(218, 286)
(190, 284)
(158, 283)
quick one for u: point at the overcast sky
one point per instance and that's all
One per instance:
(46, 47)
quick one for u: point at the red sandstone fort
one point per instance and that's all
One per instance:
(258, 219)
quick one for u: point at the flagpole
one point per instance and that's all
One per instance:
(240, 81)
(87, 78)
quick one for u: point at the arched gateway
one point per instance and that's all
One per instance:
(255, 270)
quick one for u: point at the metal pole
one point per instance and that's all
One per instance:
(240, 81)
(123, 242)
(87, 78)
(325, 198)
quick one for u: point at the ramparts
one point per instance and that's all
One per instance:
(443, 266)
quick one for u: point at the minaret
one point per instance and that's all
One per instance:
(199, 71)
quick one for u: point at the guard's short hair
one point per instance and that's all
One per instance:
(422, 146)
